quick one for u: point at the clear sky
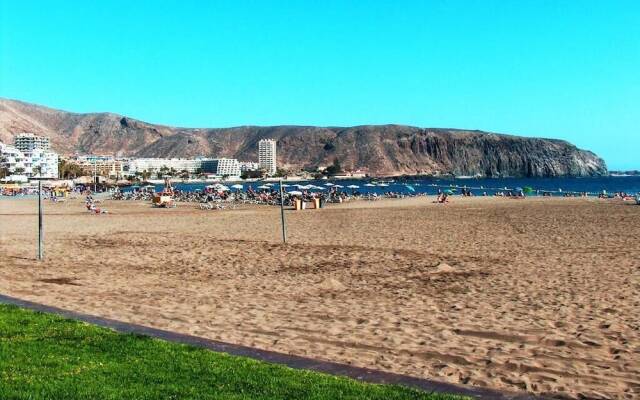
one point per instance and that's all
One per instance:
(562, 69)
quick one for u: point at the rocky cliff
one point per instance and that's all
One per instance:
(377, 150)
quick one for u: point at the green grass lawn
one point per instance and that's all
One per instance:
(43, 356)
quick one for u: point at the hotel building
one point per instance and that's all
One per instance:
(221, 166)
(30, 157)
(101, 165)
(28, 141)
(154, 165)
(267, 155)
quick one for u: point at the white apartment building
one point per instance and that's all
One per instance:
(221, 166)
(267, 155)
(39, 160)
(28, 164)
(154, 165)
(102, 166)
(249, 166)
(29, 141)
(41, 163)
(12, 160)
(216, 166)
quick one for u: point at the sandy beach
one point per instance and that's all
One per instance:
(538, 295)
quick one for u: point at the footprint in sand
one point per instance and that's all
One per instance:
(443, 268)
(331, 284)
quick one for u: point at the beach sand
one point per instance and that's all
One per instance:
(538, 295)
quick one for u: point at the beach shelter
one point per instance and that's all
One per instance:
(353, 186)
(237, 186)
(369, 185)
(328, 184)
(338, 186)
(264, 187)
(295, 193)
(382, 184)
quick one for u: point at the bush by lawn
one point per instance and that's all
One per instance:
(43, 356)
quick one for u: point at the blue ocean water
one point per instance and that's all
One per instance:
(556, 186)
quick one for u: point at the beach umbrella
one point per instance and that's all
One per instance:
(264, 187)
(353, 186)
(238, 186)
(328, 184)
(222, 188)
(382, 184)
(295, 193)
(411, 188)
(268, 184)
(449, 191)
(338, 186)
(369, 185)
(284, 185)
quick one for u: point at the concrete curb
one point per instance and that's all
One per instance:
(362, 374)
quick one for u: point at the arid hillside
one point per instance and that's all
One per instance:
(377, 150)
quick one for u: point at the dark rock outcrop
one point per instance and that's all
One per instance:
(377, 150)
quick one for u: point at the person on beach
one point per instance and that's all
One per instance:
(442, 198)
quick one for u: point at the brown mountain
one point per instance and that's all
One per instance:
(378, 150)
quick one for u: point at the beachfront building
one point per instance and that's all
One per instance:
(28, 141)
(223, 167)
(156, 165)
(19, 165)
(106, 166)
(267, 155)
(38, 159)
(41, 163)
(249, 166)
(12, 164)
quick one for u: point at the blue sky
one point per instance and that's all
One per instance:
(562, 69)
